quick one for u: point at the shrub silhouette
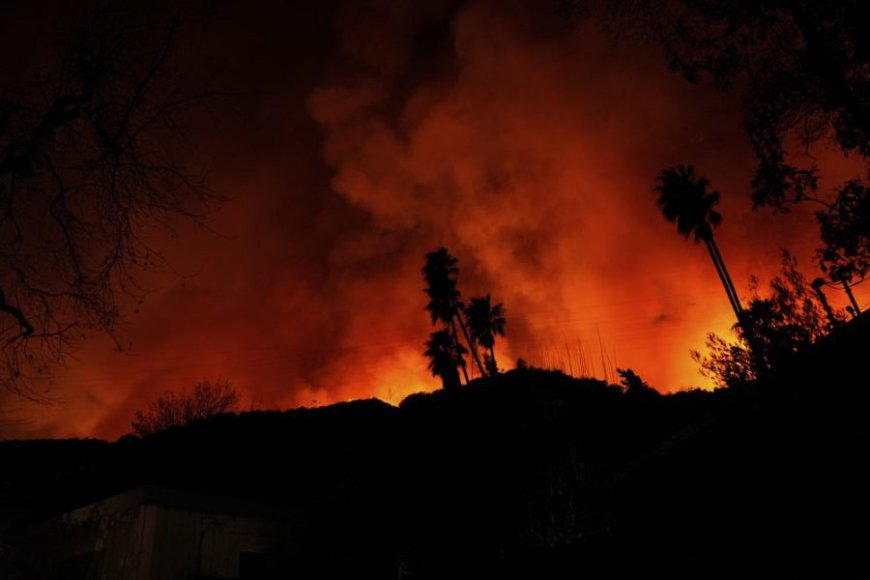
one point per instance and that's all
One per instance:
(780, 325)
(175, 409)
(634, 386)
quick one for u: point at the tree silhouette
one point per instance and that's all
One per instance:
(779, 326)
(88, 169)
(485, 322)
(845, 229)
(634, 386)
(445, 356)
(802, 69)
(817, 286)
(789, 319)
(728, 364)
(684, 199)
(174, 409)
(440, 272)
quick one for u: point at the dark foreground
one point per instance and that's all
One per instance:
(535, 475)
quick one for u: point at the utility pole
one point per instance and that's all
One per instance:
(856, 312)
(817, 286)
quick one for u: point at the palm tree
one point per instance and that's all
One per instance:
(485, 322)
(445, 356)
(440, 273)
(684, 199)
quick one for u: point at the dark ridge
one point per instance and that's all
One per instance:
(531, 474)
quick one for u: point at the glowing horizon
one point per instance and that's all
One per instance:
(526, 146)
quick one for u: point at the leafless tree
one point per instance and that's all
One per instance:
(174, 409)
(89, 152)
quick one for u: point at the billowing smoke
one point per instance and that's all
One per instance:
(526, 143)
(529, 147)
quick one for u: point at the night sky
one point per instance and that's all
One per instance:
(361, 135)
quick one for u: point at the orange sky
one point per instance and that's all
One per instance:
(526, 144)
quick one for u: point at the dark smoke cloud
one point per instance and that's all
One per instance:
(526, 143)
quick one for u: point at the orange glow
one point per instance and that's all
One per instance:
(530, 152)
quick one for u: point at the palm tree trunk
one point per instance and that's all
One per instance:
(492, 356)
(727, 276)
(754, 347)
(455, 339)
(724, 277)
(471, 344)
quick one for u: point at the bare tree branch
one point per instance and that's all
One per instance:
(88, 170)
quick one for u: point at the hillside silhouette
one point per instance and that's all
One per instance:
(530, 473)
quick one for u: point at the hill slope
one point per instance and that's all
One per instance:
(535, 474)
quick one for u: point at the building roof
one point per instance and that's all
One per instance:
(179, 499)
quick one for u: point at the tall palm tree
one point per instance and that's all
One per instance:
(440, 273)
(445, 356)
(684, 199)
(485, 322)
